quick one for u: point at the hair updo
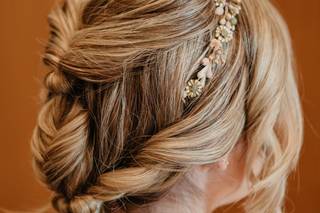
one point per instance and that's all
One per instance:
(113, 129)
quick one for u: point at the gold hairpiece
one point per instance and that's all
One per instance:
(223, 34)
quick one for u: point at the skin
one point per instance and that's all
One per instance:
(221, 183)
(226, 182)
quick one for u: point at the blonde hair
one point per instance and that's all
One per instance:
(113, 129)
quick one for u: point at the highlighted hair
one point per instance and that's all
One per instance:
(114, 130)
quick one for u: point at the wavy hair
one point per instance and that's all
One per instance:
(113, 129)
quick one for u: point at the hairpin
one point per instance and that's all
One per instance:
(216, 55)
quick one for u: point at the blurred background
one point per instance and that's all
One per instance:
(24, 31)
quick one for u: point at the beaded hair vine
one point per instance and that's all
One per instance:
(223, 34)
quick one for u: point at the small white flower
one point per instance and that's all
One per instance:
(193, 88)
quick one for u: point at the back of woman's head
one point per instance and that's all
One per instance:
(114, 129)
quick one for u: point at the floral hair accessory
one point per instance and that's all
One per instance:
(223, 34)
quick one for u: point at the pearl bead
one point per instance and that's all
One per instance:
(219, 11)
(222, 21)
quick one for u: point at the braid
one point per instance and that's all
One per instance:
(62, 157)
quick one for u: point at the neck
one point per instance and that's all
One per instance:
(187, 196)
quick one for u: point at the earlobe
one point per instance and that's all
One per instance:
(223, 163)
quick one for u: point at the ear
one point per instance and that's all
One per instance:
(221, 165)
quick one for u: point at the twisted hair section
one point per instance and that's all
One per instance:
(113, 130)
(62, 155)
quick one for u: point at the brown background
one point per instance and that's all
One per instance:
(24, 30)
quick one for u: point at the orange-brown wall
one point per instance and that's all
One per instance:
(24, 30)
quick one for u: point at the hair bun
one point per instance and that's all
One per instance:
(57, 82)
(83, 204)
